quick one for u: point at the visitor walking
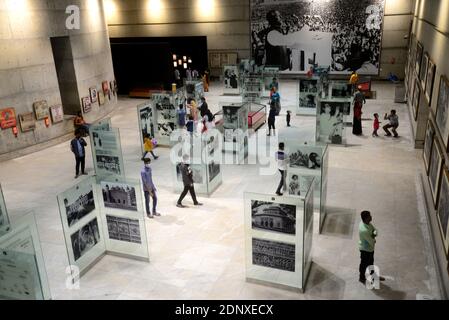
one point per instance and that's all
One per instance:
(149, 189)
(187, 180)
(272, 120)
(376, 125)
(181, 116)
(393, 124)
(281, 158)
(288, 118)
(276, 100)
(359, 101)
(148, 146)
(367, 242)
(203, 107)
(77, 145)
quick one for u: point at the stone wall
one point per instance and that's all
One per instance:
(27, 68)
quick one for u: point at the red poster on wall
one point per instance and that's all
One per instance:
(8, 118)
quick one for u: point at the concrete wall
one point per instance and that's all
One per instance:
(27, 69)
(431, 27)
(227, 26)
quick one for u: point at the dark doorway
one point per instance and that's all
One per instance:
(65, 70)
(147, 63)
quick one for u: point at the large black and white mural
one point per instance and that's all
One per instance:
(294, 34)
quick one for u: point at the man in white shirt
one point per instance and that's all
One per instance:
(281, 158)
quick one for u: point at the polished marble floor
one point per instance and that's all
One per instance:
(198, 253)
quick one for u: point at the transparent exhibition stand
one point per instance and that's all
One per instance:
(257, 115)
(278, 238)
(307, 163)
(22, 268)
(102, 125)
(192, 89)
(204, 151)
(4, 218)
(268, 76)
(235, 131)
(330, 121)
(103, 218)
(231, 80)
(308, 91)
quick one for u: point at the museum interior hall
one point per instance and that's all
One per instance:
(224, 150)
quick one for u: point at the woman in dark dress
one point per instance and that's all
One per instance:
(271, 119)
(359, 100)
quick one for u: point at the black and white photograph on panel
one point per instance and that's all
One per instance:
(306, 157)
(106, 142)
(436, 163)
(443, 205)
(430, 78)
(273, 254)
(294, 187)
(119, 195)
(430, 133)
(78, 202)
(214, 170)
(230, 117)
(272, 216)
(146, 121)
(330, 122)
(442, 112)
(297, 34)
(231, 77)
(340, 89)
(109, 164)
(85, 239)
(197, 173)
(123, 229)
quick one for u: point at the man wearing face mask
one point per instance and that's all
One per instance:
(148, 188)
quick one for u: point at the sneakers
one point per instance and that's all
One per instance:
(76, 177)
(180, 205)
(157, 214)
(155, 158)
(150, 216)
(279, 193)
(84, 174)
(198, 204)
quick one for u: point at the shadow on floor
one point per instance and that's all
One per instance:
(388, 293)
(339, 222)
(324, 284)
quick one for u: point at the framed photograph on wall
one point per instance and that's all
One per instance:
(57, 113)
(105, 87)
(8, 118)
(430, 134)
(101, 99)
(41, 109)
(416, 97)
(436, 165)
(87, 105)
(442, 110)
(93, 94)
(443, 209)
(27, 122)
(423, 73)
(430, 78)
(418, 60)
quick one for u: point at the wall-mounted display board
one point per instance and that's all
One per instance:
(27, 122)
(430, 79)
(334, 33)
(442, 111)
(22, 268)
(416, 98)
(107, 153)
(8, 118)
(204, 151)
(4, 218)
(443, 209)
(435, 168)
(330, 126)
(93, 94)
(428, 143)
(217, 60)
(270, 78)
(123, 218)
(57, 113)
(235, 129)
(41, 110)
(418, 58)
(307, 163)
(87, 105)
(308, 92)
(278, 238)
(423, 72)
(231, 80)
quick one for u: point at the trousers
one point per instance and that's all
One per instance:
(147, 201)
(366, 260)
(190, 189)
(282, 182)
(80, 161)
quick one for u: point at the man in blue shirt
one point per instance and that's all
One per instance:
(77, 146)
(148, 188)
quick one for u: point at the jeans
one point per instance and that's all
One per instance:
(282, 182)
(366, 260)
(147, 201)
(190, 189)
(80, 161)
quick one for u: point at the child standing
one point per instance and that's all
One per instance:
(376, 125)
(148, 146)
(288, 118)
